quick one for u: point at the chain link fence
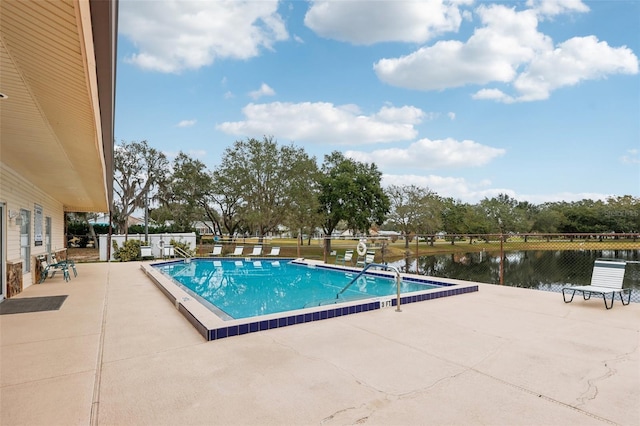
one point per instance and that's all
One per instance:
(538, 261)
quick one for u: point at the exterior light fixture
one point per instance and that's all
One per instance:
(15, 216)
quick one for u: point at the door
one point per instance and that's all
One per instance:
(3, 244)
(25, 240)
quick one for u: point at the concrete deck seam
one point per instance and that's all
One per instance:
(43, 379)
(472, 368)
(545, 397)
(95, 401)
(360, 381)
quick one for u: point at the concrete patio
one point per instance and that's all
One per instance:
(119, 353)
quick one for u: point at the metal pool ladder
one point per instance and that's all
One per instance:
(183, 254)
(380, 265)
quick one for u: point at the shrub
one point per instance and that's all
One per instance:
(183, 246)
(130, 251)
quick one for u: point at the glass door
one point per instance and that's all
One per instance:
(25, 240)
(3, 242)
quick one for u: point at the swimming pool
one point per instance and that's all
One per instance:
(243, 289)
(227, 297)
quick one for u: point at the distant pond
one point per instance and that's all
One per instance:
(537, 269)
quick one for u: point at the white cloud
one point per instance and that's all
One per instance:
(264, 90)
(509, 49)
(187, 123)
(473, 192)
(405, 114)
(493, 53)
(557, 7)
(455, 187)
(428, 154)
(174, 35)
(451, 115)
(561, 196)
(575, 60)
(197, 153)
(631, 157)
(325, 123)
(362, 22)
(193, 153)
(493, 95)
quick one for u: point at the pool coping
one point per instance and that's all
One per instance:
(212, 327)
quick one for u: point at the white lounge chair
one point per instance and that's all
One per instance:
(217, 250)
(257, 251)
(346, 257)
(275, 251)
(368, 258)
(607, 278)
(237, 251)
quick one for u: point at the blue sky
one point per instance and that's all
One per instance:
(536, 99)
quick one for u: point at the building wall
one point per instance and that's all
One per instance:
(17, 193)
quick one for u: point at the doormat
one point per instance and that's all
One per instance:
(31, 304)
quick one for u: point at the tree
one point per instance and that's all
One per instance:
(548, 219)
(414, 209)
(228, 196)
(623, 214)
(303, 212)
(476, 221)
(350, 191)
(190, 193)
(257, 177)
(503, 214)
(139, 172)
(453, 216)
(584, 216)
(84, 218)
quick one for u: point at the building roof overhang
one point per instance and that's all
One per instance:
(57, 72)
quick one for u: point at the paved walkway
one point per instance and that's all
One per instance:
(118, 353)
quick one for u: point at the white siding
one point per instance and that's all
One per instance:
(18, 193)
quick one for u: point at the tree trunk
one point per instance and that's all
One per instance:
(92, 233)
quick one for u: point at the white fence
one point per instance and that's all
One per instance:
(159, 244)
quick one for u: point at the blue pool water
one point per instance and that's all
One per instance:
(242, 289)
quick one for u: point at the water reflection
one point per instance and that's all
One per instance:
(540, 269)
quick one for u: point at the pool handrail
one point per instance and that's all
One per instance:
(380, 265)
(182, 253)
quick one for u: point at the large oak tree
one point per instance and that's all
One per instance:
(350, 191)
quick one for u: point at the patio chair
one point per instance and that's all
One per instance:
(607, 278)
(368, 258)
(275, 251)
(46, 268)
(346, 257)
(257, 251)
(217, 250)
(237, 251)
(60, 263)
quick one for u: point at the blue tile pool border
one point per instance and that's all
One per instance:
(285, 319)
